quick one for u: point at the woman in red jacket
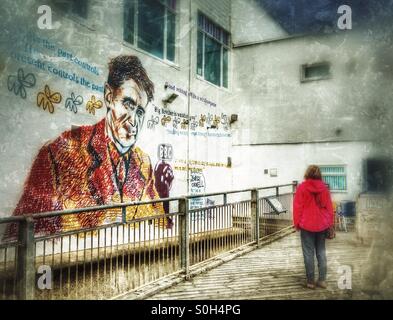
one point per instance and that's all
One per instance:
(313, 216)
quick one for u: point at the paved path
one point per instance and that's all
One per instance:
(275, 271)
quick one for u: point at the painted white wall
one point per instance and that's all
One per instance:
(277, 107)
(291, 161)
(286, 124)
(265, 91)
(26, 127)
(251, 23)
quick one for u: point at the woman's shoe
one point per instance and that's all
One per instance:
(322, 284)
(310, 285)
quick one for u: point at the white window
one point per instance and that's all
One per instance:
(151, 26)
(212, 52)
(335, 177)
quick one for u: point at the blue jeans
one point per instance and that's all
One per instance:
(313, 243)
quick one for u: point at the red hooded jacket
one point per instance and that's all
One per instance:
(312, 206)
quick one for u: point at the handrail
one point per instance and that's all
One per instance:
(186, 245)
(52, 214)
(236, 191)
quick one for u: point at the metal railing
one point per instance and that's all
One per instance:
(105, 261)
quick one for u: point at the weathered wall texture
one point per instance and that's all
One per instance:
(274, 107)
(291, 161)
(271, 87)
(318, 121)
(219, 11)
(39, 101)
(250, 23)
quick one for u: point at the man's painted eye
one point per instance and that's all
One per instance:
(127, 104)
(140, 112)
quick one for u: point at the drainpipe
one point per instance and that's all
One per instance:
(189, 97)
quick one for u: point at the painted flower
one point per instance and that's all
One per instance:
(184, 124)
(224, 121)
(176, 122)
(73, 102)
(46, 99)
(151, 124)
(202, 120)
(18, 83)
(216, 121)
(93, 104)
(193, 125)
(165, 120)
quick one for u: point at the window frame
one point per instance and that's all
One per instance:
(223, 46)
(303, 68)
(345, 175)
(134, 43)
(67, 9)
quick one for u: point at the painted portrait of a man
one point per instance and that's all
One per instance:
(98, 164)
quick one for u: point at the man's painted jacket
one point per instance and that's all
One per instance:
(77, 170)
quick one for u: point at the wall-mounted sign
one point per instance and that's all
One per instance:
(273, 172)
(165, 152)
(275, 205)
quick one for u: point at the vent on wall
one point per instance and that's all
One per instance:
(273, 172)
(314, 72)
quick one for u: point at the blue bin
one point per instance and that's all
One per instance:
(348, 208)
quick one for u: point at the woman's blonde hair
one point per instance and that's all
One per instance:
(313, 172)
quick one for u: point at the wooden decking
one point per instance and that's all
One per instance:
(275, 271)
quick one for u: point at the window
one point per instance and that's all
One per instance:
(212, 52)
(151, 26)
(318, 71)
(378, 174)
(335, 177)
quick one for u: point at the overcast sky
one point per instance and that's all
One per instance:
(306, 16)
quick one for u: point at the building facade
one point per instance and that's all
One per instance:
(238, 103)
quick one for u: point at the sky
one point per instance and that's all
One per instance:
(314, 16)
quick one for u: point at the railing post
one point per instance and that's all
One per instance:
(277, 191)
(255, 215)
(225, 198)
(184, 222)
(124, 215)
(26, 260)
(294, 185)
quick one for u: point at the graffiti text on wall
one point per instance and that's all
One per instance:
(201, 134)
(197, 186)
(40, 53)
(165, 152)
(178, 123)
(190, 93)
(203, 163)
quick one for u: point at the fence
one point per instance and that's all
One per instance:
(105, 261)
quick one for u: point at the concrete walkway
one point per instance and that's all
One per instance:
(275, 271)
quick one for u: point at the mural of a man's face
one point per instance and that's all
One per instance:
(126, 105)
